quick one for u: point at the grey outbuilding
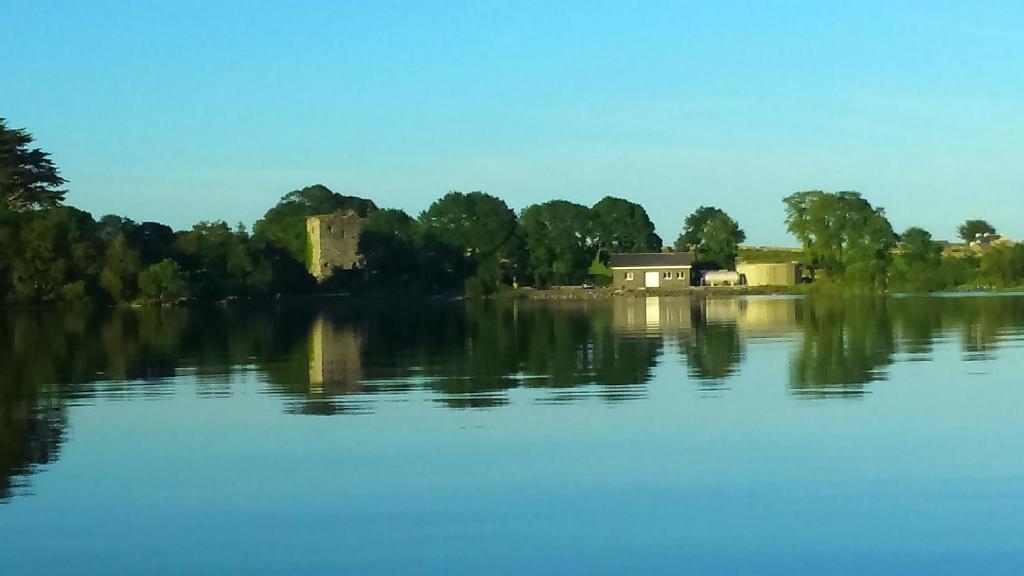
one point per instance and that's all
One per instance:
(651, 270)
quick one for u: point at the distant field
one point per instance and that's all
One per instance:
(752, 254)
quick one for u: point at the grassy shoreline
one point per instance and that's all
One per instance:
(578, 293)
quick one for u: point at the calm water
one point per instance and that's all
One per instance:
(734, 435)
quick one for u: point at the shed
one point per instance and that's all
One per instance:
(770, 273)
(651, 270)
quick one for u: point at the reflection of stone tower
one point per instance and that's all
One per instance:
(333, 241)
(334, 358)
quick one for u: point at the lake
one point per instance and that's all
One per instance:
(766, 435)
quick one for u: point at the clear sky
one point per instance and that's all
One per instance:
(189, 110)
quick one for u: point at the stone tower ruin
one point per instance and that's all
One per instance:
(333, 242)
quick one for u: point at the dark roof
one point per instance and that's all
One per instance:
(651, 260)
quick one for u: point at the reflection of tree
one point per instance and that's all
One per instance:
(468, 355)
(918, 320)
(50, 355)
(472, 357)
(471, 354)
(570, 344)
(557, 340)
(713, 351)
(846, 344)
(712, 348)
(621, 361)
(33, 416)
(982, 319)
(544, 345)
(31, 432)
(979, 321)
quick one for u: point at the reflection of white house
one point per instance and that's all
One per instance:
(652, 313)
(755, 315)
(722, 310)
(770, 315)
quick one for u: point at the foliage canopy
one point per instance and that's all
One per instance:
(843, 235)
(284, 225)
(972, 229)
(558, 242)
(28, 177)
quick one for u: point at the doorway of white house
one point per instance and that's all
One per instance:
(652, 279)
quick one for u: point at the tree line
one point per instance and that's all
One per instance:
(848, 242)
(463, 242)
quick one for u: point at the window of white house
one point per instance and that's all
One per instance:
(680, 275)
(629, 275)
(666, 275)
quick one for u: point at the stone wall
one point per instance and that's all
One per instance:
(333, 242)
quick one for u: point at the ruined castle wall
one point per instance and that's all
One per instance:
(333, 242)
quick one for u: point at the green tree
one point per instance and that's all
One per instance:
(54, 248)
(917, 267)
(10, 225)
(28, 178)
(918, 248)
(842, 235)
(1003, 266)
(285, 223)
(557, 235)
(216, 258)
(693, 228)
(111, 226)
(619, 225)
(971, 229)
(869, 251)
(274, 271)
(388, 244)
(719, 241)
(959, 272)
(153, 241)
(119, 276)
(163, 283)
(483, 229)
(712, 236)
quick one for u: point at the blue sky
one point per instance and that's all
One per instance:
(187, 110)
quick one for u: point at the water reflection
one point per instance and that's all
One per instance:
(846, 344)
(335, 355)
(341, 359)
